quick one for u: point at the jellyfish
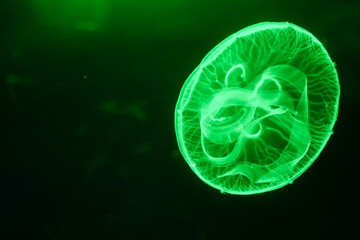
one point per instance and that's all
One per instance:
(259, 109)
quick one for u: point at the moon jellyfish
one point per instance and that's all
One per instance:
(259, 109)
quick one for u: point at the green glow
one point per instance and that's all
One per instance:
(88, 15)
(259, 109)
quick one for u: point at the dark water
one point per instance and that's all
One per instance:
(88, 91)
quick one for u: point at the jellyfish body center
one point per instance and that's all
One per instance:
(269, 103)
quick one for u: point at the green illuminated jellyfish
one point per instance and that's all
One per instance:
(259, 109)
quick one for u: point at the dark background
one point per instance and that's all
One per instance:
(88, 91)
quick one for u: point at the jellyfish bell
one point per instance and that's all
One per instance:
(259, 109)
